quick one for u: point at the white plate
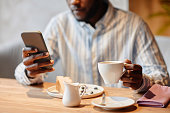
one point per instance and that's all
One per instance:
(91, 91)
(113, 102)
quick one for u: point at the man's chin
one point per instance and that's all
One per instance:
(80, 18)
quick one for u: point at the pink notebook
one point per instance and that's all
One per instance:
(156, 96)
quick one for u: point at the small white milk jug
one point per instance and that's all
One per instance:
(71, 95)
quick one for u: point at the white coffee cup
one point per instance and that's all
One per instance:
(111, 71)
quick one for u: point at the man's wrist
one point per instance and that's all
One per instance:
(145, 84)
(141, 82)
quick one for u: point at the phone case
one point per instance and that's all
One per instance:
(35, 39)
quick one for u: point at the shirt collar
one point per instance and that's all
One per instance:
(82, 23)
(105, 20)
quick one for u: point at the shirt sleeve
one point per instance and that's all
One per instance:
(50, 36)
(21, 77)
(150, 58)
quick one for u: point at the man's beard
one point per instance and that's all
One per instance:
(91, 12)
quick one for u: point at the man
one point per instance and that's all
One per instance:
(95, 31)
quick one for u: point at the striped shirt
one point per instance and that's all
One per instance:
(118, 35)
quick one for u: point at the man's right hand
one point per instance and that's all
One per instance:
(34, 69)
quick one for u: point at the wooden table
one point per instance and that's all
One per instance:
(16, 98)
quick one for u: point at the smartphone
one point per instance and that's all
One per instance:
(35, 39)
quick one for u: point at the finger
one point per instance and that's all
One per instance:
(40, 71)
(136, 74)
(48, 63)
(133, 85)
(30, 60)
(27, 50)
(32, 67)
(32, 76)
(134, 67)
(131, 73)
(130, 79)
(127, 84)
(41, 55)
(36, 66)
(127, 61)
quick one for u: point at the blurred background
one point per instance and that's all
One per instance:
(155, 12)
(17, 16)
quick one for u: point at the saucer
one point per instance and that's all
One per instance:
(112, 103)
(91, 91)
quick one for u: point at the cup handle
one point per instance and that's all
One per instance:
(84, 90)
(124, 70)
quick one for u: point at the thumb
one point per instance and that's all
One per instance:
(127, 61)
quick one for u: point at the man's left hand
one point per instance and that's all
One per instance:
(132, 76)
